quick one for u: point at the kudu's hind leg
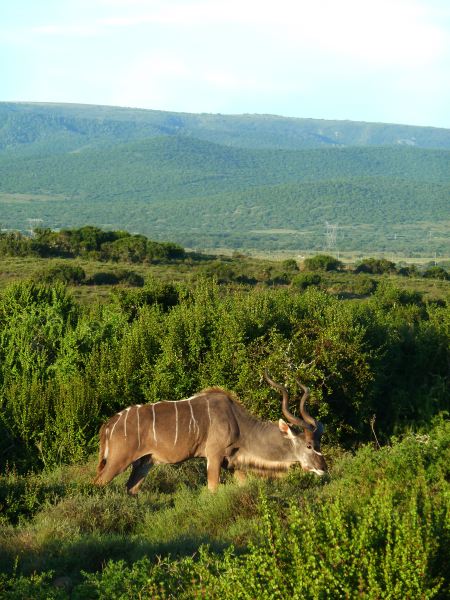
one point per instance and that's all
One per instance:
(139, 470)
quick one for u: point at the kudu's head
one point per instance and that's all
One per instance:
(307, 443)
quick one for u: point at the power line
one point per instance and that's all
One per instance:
(330, 235)
(32, 225)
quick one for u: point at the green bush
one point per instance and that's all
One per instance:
(289, 265)
(35, 587)
(13, 243)
(165, 295)
(103, 278)
(221, 271)
(304, 280)
(63, 272)
(130, 278)
(89, 241)
(363, 285)
(408, 271)
(436, 272)
(322, 262)
(375, 266)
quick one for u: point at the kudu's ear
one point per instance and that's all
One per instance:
(284, 428)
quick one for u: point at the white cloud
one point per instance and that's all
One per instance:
(282, 56)
(68, 30)
(375, 34)
(378, 33)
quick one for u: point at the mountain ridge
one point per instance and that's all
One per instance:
(104, 124)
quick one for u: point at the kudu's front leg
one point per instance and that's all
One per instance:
(213, 465)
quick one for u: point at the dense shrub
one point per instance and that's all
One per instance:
(64, 368)
(13, 243)
(220, 270)
(289, 265)
(115, 277)
(157, 292)
(408, 271)
(130, 278)
(362, 285)
(304, 280)
(436, 272)
(89, 241)
(63, 272)
(103, 278)
(375, 266)
(322, 262)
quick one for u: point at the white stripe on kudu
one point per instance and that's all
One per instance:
(176, 423)
(138, 406)
(154, 424)
(125, 422)
(192, 422)
(114, 426)
(209, 411)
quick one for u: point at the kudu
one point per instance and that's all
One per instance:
(211, 424)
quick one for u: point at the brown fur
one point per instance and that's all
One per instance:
(218, 390)
(212, 424)
(101, 454)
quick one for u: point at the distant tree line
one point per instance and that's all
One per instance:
(90, 242)
(373, 266)
(76, 275)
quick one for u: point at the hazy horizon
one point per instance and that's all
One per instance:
(383, 61)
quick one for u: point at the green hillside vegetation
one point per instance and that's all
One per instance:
(203, 195)
(248, 182)
(377, 525)
(52, 128)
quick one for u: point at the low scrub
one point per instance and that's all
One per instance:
(120, 276)
(63, 272)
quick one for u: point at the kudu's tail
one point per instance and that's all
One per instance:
(102, 453)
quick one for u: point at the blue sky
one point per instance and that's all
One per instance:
(380, 60)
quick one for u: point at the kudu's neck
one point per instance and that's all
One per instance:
(262, 441)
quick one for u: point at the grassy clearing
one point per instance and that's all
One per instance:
(257, 270)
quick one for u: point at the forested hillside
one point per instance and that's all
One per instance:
(208, 181)
(58, 127)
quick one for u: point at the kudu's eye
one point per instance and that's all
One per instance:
(309, 446)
